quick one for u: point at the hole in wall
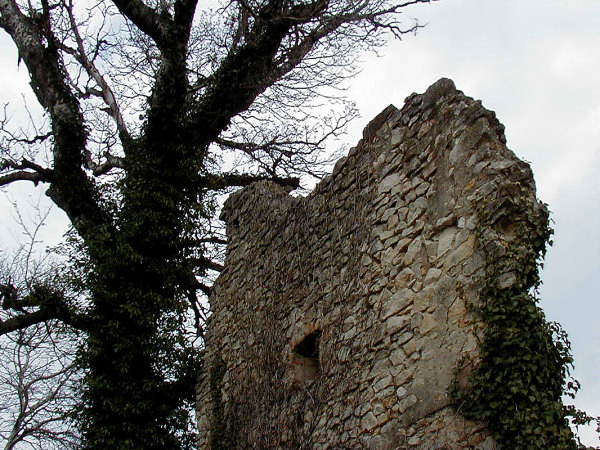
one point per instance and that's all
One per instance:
(309, 346)
(305, 358)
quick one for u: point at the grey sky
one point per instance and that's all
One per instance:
(537, 64)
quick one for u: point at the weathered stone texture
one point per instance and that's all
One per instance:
(382, 258)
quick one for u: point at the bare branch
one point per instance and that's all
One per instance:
(33, 140)
(25, 170)
(212, 265)
(37, 376)
(224, 181)
(51, 303)
(23, 321)
(213, 240)
(105, 90)
(144, 17)
(21, 175)
(204, 263)
(111, 162)
(245, 73)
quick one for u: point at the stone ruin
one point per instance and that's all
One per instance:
(341, 319)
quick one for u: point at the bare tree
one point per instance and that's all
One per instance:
(37, 363)
(37, 395)
(142, 100)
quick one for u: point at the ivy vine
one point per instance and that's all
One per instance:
(524, 360)
(222, 434)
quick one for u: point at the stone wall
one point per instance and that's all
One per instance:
(342, 319)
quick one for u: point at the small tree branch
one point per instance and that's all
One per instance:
(291, 58)
(112, 162)
(21, 175)
(144, 17)
(23, 321)
(224, 181)
(205, 263)
(24, 171)
(51, 304)
(37, 377)
(30, 141)
(213, 240)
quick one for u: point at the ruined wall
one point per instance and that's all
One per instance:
(341, 319)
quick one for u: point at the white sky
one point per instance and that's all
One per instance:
(536, 63)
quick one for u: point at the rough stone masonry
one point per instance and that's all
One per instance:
(340, 319)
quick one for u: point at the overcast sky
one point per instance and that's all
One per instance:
(537, 64)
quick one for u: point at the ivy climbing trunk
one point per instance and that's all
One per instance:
(136, 389)
(134, 187)
(135, 333)
(138, 330)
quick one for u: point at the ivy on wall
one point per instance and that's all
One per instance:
(524, 360)
(223, 435)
